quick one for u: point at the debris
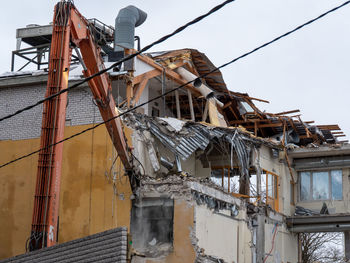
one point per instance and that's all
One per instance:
(153, 242)
(324, 209)
(301, 211)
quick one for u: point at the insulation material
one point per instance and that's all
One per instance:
(215, 116)
(174, 123)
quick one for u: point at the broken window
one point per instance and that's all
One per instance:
(269, 189)
(226, 177)
(321, 185)
(152, 223)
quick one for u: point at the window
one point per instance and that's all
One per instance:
(337, 186)
(152, 221)
(269, 189)
(321, 185)
(228, 180)
(270, 186)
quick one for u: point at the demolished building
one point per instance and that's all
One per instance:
(215, 179)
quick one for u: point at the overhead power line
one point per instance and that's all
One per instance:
(162, 39)
(181, 86)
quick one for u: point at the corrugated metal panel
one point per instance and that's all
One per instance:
(195, 138)
(108, 246)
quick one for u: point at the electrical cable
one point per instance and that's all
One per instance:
(112, 166)
(162, 39)
(272, 243)
(181, 86)
(143, 168)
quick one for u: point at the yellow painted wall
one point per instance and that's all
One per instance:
(88, 202)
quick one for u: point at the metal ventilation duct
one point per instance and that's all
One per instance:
(128, 18)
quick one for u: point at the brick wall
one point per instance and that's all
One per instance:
(80, 110)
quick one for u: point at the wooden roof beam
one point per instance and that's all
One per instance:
(248, 97)
(286, 112)
(340, 132)
(169, 73)
(247, 121)
(261, 100)
(268, 125)
(233, 112)
(292, 124)
(333, 127)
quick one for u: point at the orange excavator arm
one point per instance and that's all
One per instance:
(69, 28)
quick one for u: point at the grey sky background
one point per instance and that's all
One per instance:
(307, 70)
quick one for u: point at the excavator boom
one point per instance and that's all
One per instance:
(70, 29)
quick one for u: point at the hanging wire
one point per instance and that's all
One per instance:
(181, 86)
(118, 63)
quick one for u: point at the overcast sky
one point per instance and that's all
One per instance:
(307, 70)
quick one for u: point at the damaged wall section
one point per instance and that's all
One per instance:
(217, 226)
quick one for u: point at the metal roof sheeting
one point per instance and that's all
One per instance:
(196, 136)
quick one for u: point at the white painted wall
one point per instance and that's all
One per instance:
(285, 246)
(217, 234)
(141, 67)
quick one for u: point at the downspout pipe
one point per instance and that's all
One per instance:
(128, 18)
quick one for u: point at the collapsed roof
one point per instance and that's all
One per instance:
(239, 110)
(233, 108)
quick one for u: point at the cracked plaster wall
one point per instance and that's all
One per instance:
(219, 235)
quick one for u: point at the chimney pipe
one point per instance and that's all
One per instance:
(128, 18)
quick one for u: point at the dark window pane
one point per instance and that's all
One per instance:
(305, 186)
(320, 185)
(337, 186)
(152, 222)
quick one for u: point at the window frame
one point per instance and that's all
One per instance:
(311, 199)
(222, 168)
(272, 200)
(292, 193)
